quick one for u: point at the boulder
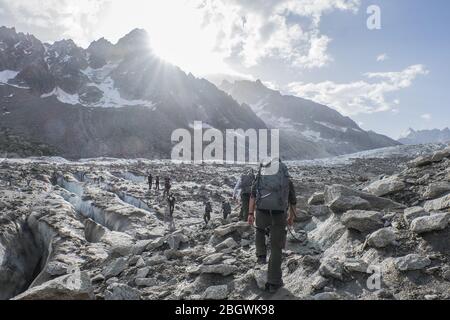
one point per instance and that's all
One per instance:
(120, 291)
(412, 213)
(341, 198)
(222, 269)
(441, 155)
(176, 239)
(319, 211)
(326, 296)
(434, 222)
(240, 227)
(382, 238)
(229, 243)
(436, 189)
(386, 186)
(344, 203)
(155, 260)
(439, 204)
(146, 282)
(412, 262)
(316, 199)
(76, 286)
(216, 293)
(213, 258)
(362, 221)
(356, 265)
(331, 268)
(115, 268)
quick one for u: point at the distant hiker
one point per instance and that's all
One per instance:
(150, 181)
(226, 209)
(157, 183)
(167, 186)
(170, 209)
(54, 178)
(208, 210)
(171, 201)
(243, 190)
(272, 196)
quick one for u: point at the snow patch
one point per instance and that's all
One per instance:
(63, 96)
(7, 75)
(332, 126)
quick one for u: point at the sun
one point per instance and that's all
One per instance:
(177, 36)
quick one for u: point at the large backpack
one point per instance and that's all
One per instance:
(272, 190)
(247, 183)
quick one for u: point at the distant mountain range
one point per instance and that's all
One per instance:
(426, 136)
(319, 130)
(121, 100)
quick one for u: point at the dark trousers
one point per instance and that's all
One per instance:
(207, 217)
(276, 221)
(245, 199)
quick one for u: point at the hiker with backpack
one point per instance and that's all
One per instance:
(274, 200)
(157, 183)
(226, 209)
(150, 181)
(167, 186)
(243, 189)
(207, 215)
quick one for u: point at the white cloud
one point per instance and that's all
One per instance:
(255, 30)
(364, 96)
(382, 57)
(426, 116)
(56, 19)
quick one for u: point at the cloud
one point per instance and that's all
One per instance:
(364, 96)
(426, 116)
(53, 19)
(382, 57)
(287, 30)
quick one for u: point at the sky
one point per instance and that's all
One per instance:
(386, 79)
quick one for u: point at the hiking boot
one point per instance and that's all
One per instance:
(273, 288)
(261, 260)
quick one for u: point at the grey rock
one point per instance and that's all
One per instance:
(229, 243)
(155, 260)
(332, 268)
(356, 265)
(143, 272)
(386, 186)
(382, 238)
(120, 291)
(145, 282)
(341, 198)
(216, 293)
(213, 259)
(362, 221)
(439, 204)
(412, 262)
(434, 222)
(222, 269)
(319, 211)
(317, 198)
(326, 296)
(75, 286)
(115, 268)
(436, 189)
(412, 213)
(240, 227)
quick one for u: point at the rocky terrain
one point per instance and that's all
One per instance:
(92, 230)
